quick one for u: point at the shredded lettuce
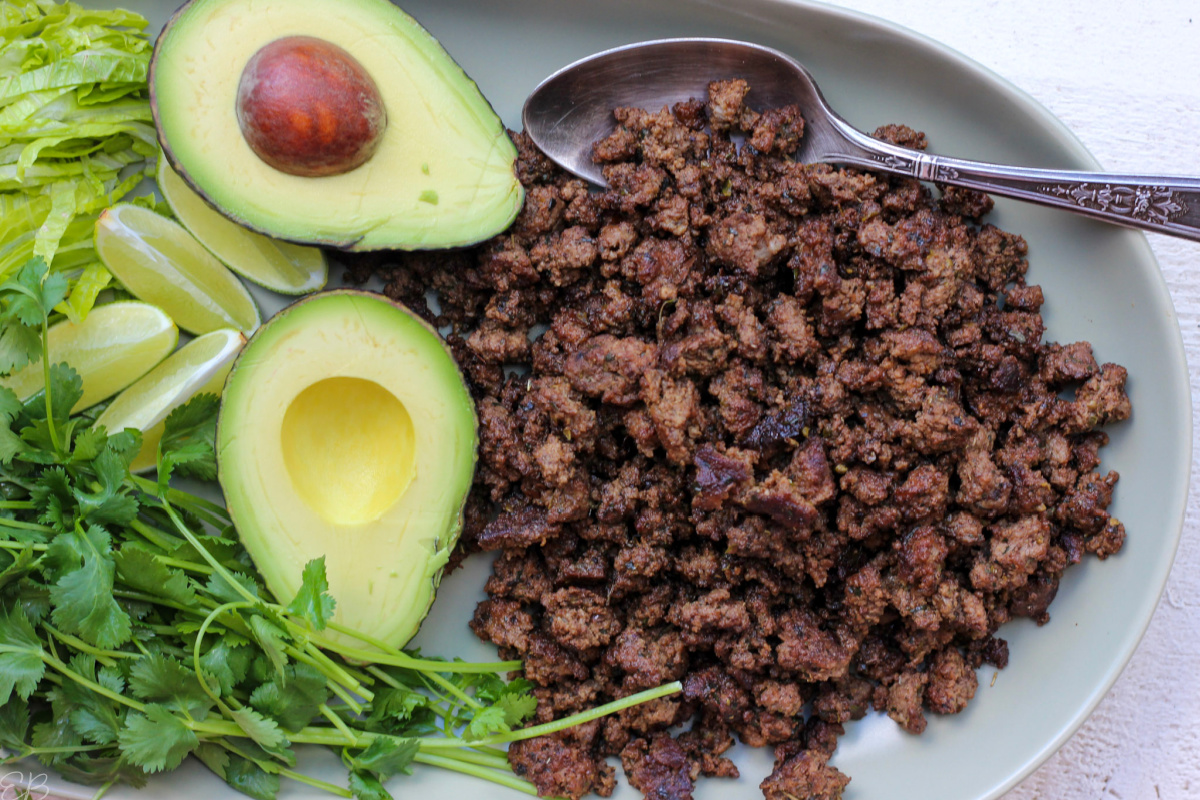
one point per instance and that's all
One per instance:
(76, 135)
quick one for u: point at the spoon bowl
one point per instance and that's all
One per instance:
(572, 109)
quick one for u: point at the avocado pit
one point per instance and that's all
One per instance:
(308, 108)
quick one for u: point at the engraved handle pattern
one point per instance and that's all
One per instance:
(1156, 204)
(1160, 204)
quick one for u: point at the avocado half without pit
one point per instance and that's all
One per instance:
(346, 431)
(331, 122)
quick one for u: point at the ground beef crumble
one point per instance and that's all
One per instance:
(788, 433)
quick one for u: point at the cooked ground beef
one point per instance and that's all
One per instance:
(789, 434)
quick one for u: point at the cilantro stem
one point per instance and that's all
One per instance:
(274, 767)
(46, 379)
(41, 548)
(495, 776)
(190, 566)
(454, 690)
(345, 678)
(472, 756)
(95, 687)
(160, 539)
(18, 505)
(398, 658)
(561, 724)
(212, 615)
(345, 697)
(316, 783)
(207, 556)
(25, 526)
(197, 505)
(103, 656)
(336, 721)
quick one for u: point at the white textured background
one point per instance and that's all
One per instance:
(1125, 77)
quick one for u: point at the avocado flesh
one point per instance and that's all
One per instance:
(346, 431)
(442, 175)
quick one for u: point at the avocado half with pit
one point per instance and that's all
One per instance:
(346, 431)
(331, 122)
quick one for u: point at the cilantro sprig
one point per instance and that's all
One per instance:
(135, 631)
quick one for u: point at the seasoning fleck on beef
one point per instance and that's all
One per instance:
(789, 434)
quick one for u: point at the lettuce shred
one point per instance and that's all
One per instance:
(76, 134)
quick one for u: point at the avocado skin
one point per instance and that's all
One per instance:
(447, 232)
(242, 370)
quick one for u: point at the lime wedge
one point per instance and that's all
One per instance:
(279, 266)
(161, 263)
(199, 367)
(117, 344)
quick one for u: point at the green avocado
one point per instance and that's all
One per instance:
(346, 431)
(341, 123)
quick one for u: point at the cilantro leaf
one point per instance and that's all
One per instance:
(162, 679)
(82, 599)
(227, 663)
(365, 786)
(397, 703)
(517, 708)
(313, 602)
(20, 344)
(188, 444)
(111, 502)
(10, 405)
(156, 740)
(387, 756)
(295, 701)
(485, 722)
(66, 389)
(250, 779)
(33, 293)
(265, 732)
(141, 569)
(224, 592)
(21, 665)
(14, 724)
(93, 716)
(213, 756)
(270, 638)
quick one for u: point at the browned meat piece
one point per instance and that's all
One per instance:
(719, 474)
(609, 367)
(725, 105)
(579, 618)
(951, 683)
(1016, 548)
(965, 203)
(1062, 363)
(778, 131)
(904, 700)
(503, 622)
(659, 768)
(560, 770)
(744, 242)
(806, 775)
(648, 657)
(674, 407)
(517, 529)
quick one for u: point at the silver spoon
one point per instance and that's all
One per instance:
(572, 108)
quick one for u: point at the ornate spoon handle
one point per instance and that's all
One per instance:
(1161, 204)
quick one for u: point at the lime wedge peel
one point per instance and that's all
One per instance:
(279, 266)
(160, 262)
(117, 344)
(199, 367)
